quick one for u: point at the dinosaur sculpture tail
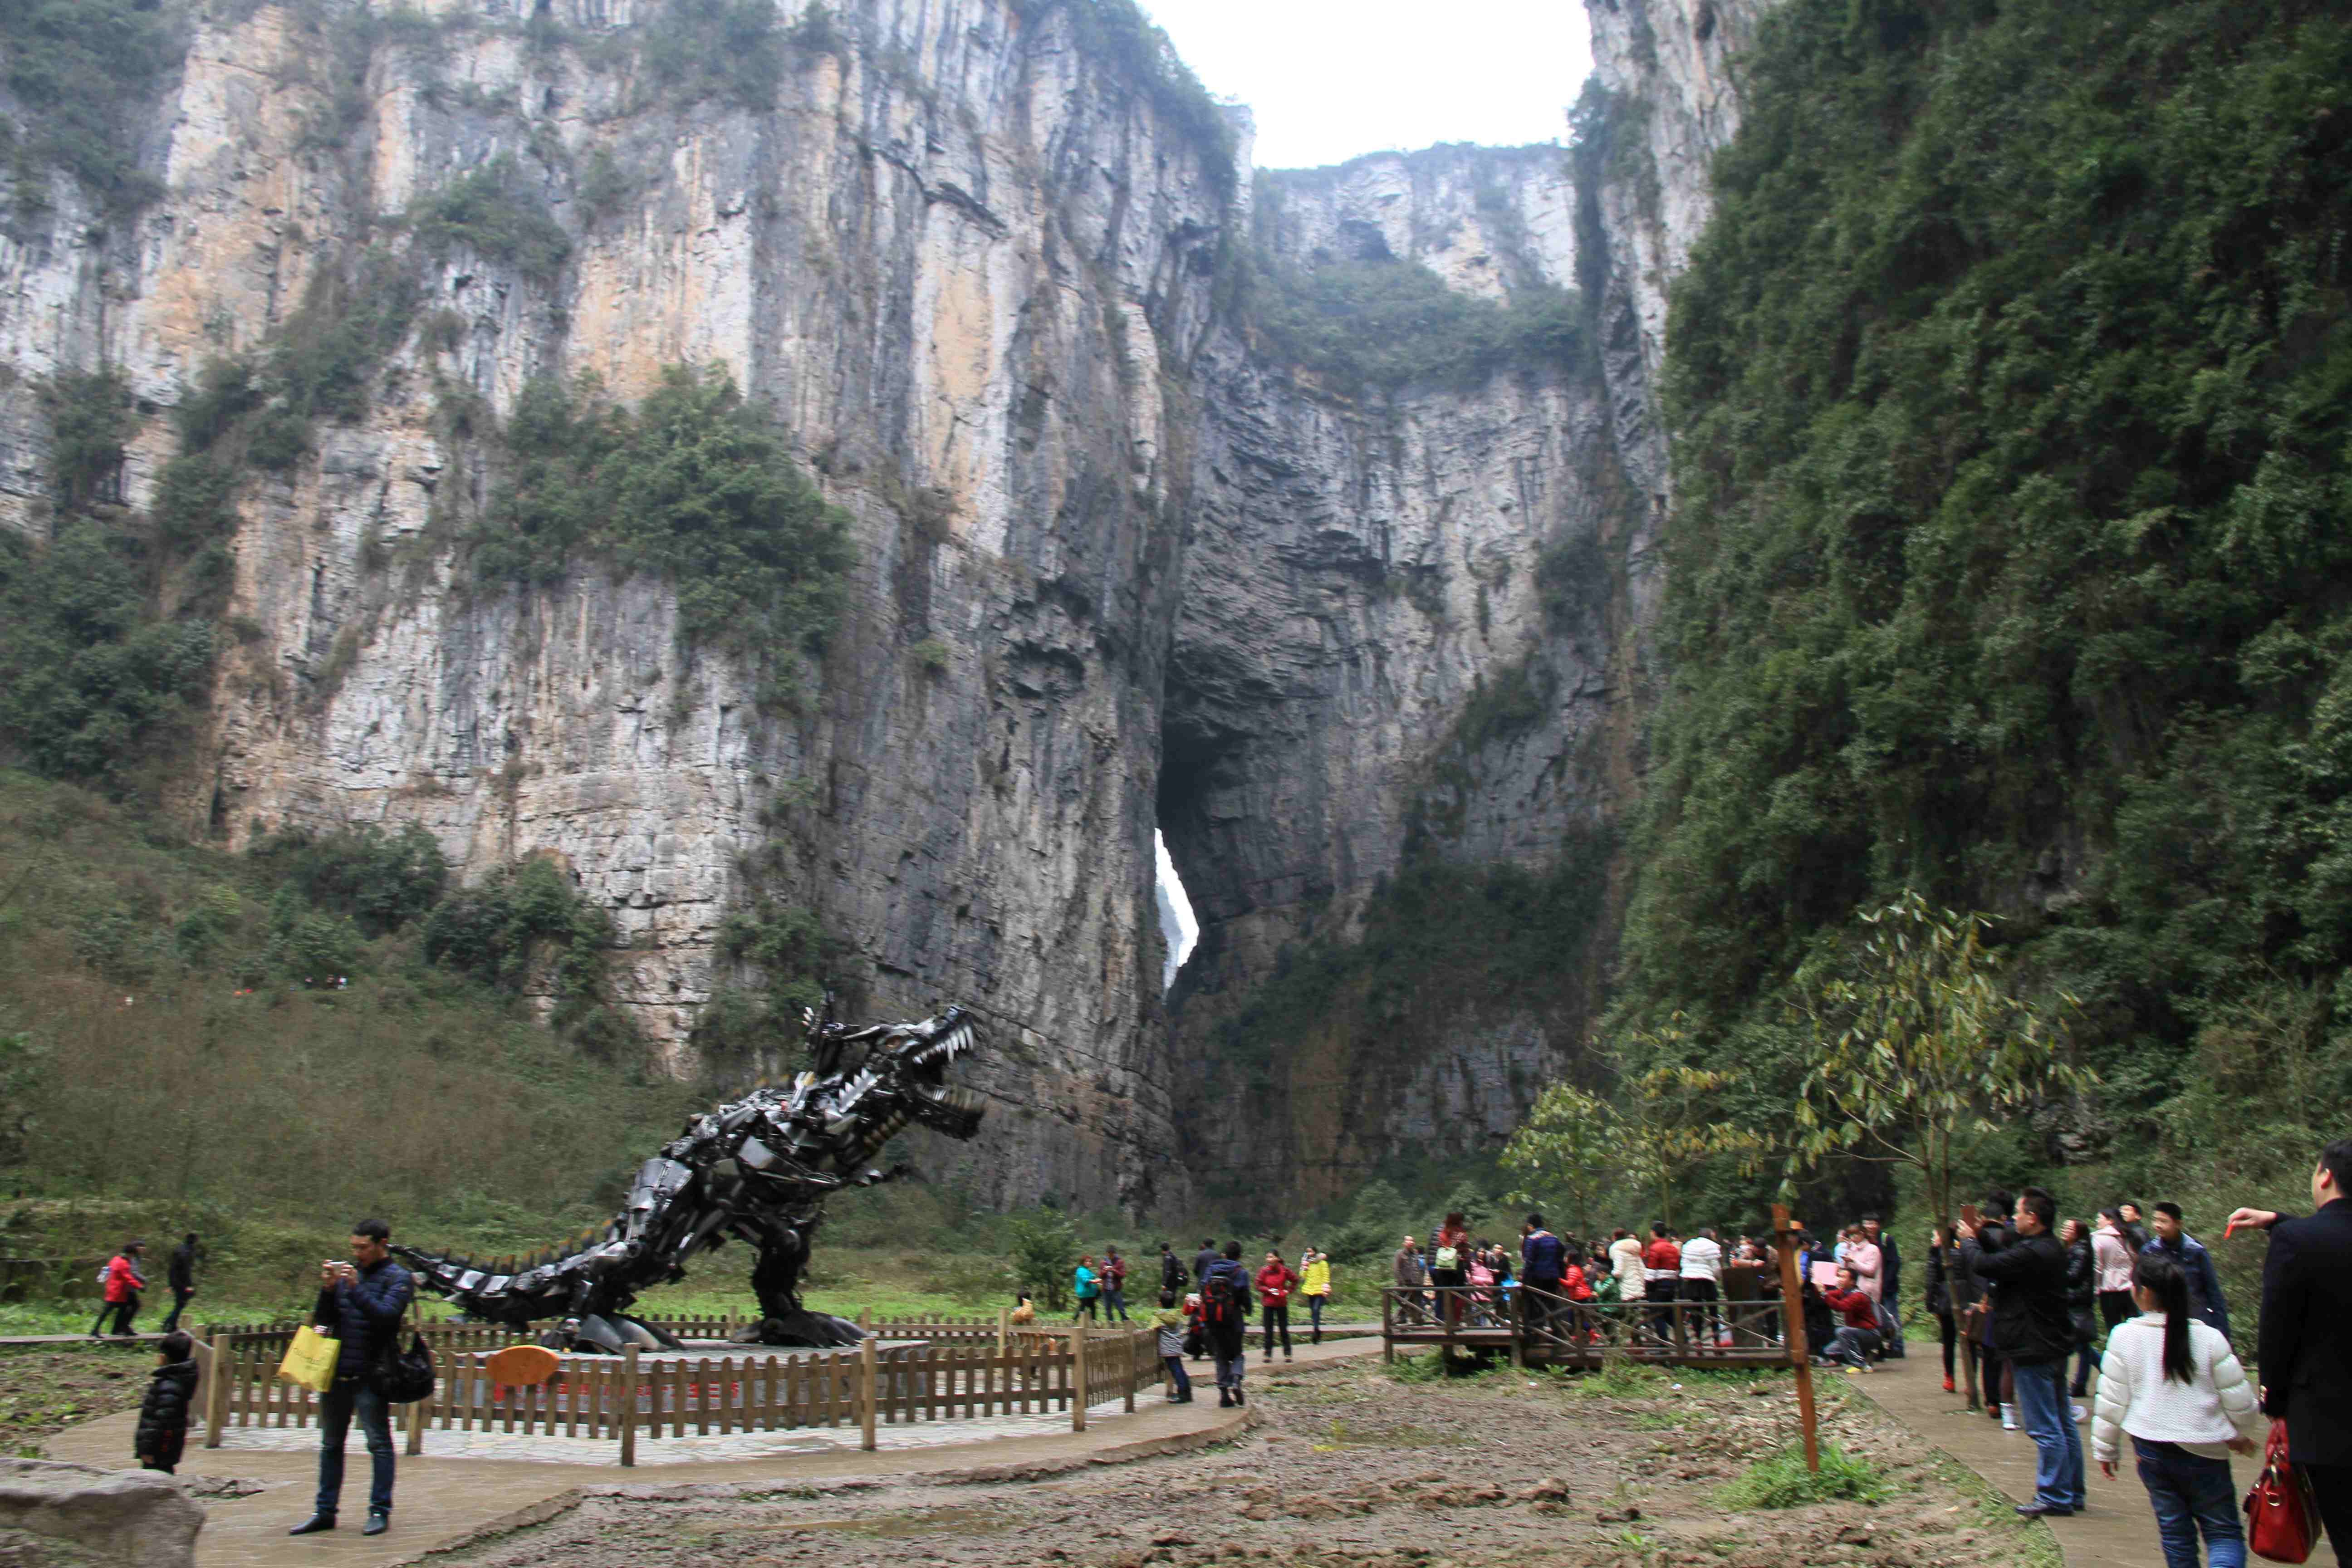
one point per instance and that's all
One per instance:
(509, 1288)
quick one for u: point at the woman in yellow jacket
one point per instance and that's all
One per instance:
(1314, 1284)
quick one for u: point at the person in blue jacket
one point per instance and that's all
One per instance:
(2172, 1240)
(361, 1304)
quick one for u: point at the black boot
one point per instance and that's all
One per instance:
(1224, 1399)
(314, 1524)
(1237, 1397)
(376, 1524)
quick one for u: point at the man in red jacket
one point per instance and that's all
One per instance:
(1274, 1283)
(1857, 1336)
(1662, 1264)
(122, 1283)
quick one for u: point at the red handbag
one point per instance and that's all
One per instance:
(2281, 1526)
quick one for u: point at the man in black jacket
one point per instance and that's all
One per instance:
(2029, 1324)
(182, 1276)
(2307, 1356)
(1172, 1276)
(360, 1303)
(1203, 1259)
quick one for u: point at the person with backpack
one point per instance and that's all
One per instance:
(1084, 1286)
(360, 1304)
(120, 1283)
(182, 1277)
(1171, 1323)
(1314, 1284)
(1274, 1283)
(162, 1434)
(1172, 1276)
(2172, 1383)
(1225, 1321)
(1114, 1282)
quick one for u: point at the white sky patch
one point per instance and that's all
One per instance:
(1329, 79)
(1188, 925)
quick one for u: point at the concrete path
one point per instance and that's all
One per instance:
(2118, 1530)
(443, 1502)
(78, 1338)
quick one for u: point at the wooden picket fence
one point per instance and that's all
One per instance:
(961, 1370)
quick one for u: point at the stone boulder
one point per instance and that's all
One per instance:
(58, 1514)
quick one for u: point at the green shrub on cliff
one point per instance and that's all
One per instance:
(692, 485)
(2013, 387)
(79, 71)
(1366, 326)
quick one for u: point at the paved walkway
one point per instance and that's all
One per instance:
(444, 1501)
(2118, 1530)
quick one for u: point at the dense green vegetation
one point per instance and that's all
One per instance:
(1432, 935)
(184, 1058)
(2012, 553)
(78, 71)
(693, 484)
(1381, 326)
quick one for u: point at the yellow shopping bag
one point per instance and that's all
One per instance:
(310, 1360)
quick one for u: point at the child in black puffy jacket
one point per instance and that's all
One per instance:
(163, 1414)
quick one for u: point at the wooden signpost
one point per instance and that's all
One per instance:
(1793, 1314)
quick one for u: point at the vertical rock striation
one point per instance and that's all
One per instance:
(1118, 561)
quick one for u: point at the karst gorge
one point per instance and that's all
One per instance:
(733, 499)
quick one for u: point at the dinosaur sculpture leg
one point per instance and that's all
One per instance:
(783, 1250)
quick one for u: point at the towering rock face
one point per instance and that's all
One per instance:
(1416, 628)
(1117, 560)
(963, 260)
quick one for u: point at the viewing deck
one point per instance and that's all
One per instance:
(1538, 1327)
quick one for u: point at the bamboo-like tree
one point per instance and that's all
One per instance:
(1665, 1132)
(1568, 1146)
(1916, 1052)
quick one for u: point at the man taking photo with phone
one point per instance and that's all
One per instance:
(361, 1304)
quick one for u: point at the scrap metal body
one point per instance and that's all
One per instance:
(757, 1169)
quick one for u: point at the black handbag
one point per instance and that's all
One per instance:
(403, 1377)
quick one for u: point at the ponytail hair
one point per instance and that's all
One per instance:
(2161, 1278)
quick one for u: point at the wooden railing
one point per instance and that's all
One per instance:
(962, 1371)
(1546, 1328)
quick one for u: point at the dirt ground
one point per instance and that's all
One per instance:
(1356, 1467)
(43, 1390)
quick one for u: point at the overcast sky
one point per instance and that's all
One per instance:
(1330, 78)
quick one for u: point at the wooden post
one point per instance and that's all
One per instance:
(219, 1373)
(1078, 1377)
(1519, 1326)
(629, 1405)
(1134, 1369)
(1793, 1314)
(865, 1318)
(1003, 1328)
(871, 1386)
(415, 1420)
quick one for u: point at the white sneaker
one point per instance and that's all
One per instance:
(2082, 1413)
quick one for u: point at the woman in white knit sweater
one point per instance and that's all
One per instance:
(2172, 1383)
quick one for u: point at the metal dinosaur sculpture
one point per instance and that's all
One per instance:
(758, 1169)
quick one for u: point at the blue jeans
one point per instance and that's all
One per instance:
(1176, 1372)
(1115, 1304)
(2042, 1403)
(2188, 1491)
(336, 1407)
(1315, 1316)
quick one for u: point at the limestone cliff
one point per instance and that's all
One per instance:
(1119, 561)
(1417, 628)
